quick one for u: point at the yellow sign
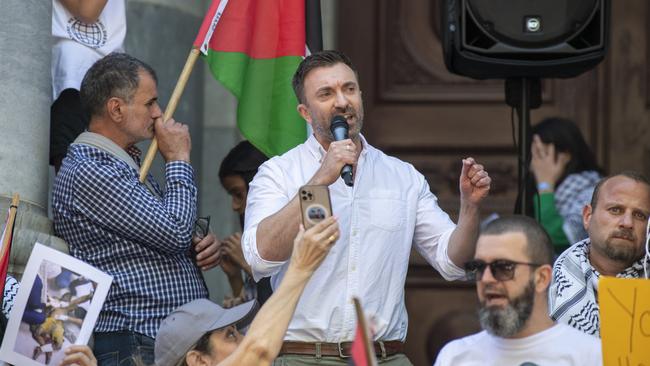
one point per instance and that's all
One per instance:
(625, 321)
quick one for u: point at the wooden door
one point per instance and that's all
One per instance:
(418, 111)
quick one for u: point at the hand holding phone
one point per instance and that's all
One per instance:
(315, 204)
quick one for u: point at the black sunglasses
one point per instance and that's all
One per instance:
(501, 269)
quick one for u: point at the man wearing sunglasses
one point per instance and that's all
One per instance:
(512, 270)
(616, 222)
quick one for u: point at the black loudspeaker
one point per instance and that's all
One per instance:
(498, 39)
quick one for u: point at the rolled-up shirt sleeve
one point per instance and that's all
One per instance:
(265, 197)
(433, 230)
(110, 198)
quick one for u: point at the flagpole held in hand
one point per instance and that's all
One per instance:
(169, 112)
(200, 45)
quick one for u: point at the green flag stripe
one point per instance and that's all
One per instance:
(266, 112)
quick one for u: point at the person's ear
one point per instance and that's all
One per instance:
(543, 277)
(586, 216)
(115, 108)
(196, 358)
(304, 112)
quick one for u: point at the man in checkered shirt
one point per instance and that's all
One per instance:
(134, 232)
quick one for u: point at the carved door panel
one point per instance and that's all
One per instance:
(418, 111)
(626, 89)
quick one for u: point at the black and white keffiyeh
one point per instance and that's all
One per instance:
(573, 292)
(10, 292)
(571, 196)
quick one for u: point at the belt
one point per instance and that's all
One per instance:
(340, 349)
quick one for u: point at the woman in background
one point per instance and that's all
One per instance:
(565, 172)
(236, 173)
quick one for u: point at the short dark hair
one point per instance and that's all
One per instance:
(325, 58)
(244, 159)
(538, 243)
(638, 177)
(116, 75)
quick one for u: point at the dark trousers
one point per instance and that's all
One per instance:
(123, 348)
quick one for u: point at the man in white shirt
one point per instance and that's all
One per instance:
(388, 209)
(512, 267)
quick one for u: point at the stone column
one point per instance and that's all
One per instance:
(25, 99)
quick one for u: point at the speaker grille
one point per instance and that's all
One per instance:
(491, 39)
(500, 26)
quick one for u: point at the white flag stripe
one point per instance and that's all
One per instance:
(213, 25)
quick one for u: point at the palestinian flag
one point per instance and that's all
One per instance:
(253, 47)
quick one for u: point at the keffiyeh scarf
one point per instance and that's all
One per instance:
(10, 292)
(571, 196)
(573, 292)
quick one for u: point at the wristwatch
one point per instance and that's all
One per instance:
(544, 186)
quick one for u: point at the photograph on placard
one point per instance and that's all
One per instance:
(57, 306)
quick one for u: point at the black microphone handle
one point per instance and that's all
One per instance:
(346, 174)
(339, 128)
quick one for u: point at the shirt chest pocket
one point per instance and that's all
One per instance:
(387, 209)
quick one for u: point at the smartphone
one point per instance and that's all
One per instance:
(315, 204)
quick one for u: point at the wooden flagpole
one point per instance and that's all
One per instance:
(10, 224)
(171, 108)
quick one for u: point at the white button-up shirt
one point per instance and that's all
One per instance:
(389, 208)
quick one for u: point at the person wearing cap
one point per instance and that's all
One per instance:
(203, 333)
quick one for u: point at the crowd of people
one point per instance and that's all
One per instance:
(292, 287)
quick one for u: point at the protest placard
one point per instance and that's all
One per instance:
(625, 321)
(57, 306)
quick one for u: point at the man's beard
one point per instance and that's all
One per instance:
(509, 320)
(321, 130)
(621, 253)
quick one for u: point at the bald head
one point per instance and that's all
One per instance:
(616, 222)
(637, 177)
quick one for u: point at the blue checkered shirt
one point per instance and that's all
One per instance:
(116, 224)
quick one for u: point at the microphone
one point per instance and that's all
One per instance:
(339, 128)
